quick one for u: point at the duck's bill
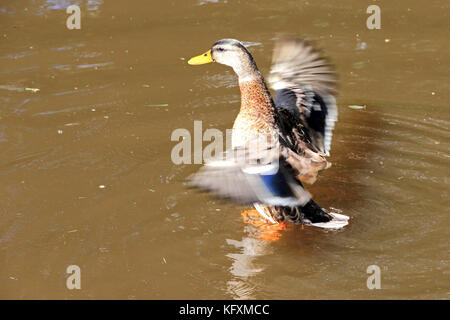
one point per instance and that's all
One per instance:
(201, 59)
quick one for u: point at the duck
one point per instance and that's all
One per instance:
(278, 144)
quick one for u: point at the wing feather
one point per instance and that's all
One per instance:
(306, 86)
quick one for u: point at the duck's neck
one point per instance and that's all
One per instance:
(255, 98)
(257, 113)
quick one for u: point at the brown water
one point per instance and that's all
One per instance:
(112, 93)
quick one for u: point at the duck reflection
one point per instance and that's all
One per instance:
(258, 239)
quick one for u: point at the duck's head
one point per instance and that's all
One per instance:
(232, 53)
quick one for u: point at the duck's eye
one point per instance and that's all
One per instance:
(220, 49)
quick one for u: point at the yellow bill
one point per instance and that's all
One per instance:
(201, 59)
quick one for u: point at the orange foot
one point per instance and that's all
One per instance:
(267, 230)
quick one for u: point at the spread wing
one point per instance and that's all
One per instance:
(248, 176)
(305, 84)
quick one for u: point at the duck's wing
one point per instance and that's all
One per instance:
(306, 86)
(248, 176)
(297, 147)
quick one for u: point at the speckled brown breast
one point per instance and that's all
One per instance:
(257, 113)
(257, 117)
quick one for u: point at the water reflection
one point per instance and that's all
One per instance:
(258, 236)
(90, 5)
(41, 7)
(244, 265)
(203, 2)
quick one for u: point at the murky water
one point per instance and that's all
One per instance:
(86, 176)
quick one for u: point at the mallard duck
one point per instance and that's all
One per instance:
(301, 118)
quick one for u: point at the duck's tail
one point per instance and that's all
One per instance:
(309, 214)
